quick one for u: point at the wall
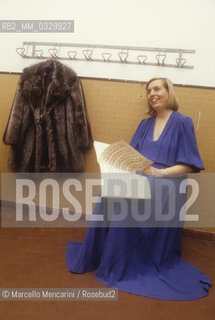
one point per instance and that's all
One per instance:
(163, 24)
(115, 108)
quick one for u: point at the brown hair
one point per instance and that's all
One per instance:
(173, 102)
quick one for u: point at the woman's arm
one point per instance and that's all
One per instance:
(173, 171)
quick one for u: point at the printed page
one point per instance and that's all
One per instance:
(118, 164)
(124, 157)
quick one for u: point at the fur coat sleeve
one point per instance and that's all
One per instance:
(11, 133)
(48, 127)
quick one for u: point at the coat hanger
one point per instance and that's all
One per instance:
(72, 54)
(106, 56)
(180, 62)
(54, 52)
(142, 58)
(123, 55)
(161, 57)
(38, 53)
(22, 51)
(88, 54)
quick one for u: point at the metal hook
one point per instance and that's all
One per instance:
(87, 54)
(53, 52)
(123, 56)
(141, 59)
(162, 57)
(180, 62)
(106, 56)
(38, 53)
(22, 51)
(72, 54)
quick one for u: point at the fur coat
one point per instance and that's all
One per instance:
(48, 127)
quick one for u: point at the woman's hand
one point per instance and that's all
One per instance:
(174, 171)
(154, 172)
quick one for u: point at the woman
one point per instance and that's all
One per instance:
(146, 260)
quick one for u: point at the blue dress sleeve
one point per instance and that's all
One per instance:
(138, 134)
(187, 151)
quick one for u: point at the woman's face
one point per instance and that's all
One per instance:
(157, 95)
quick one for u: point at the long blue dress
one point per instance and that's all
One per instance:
(146, 260)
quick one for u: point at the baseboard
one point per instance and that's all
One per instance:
(187, 232)
(200, 234)
(8, 219)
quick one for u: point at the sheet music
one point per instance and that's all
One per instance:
(122, 156)
(118, 163)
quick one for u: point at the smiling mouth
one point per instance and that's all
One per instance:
(154, 100)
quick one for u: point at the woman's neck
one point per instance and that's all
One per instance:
(163, 114)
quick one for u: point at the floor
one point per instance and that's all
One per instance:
(35, 258)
